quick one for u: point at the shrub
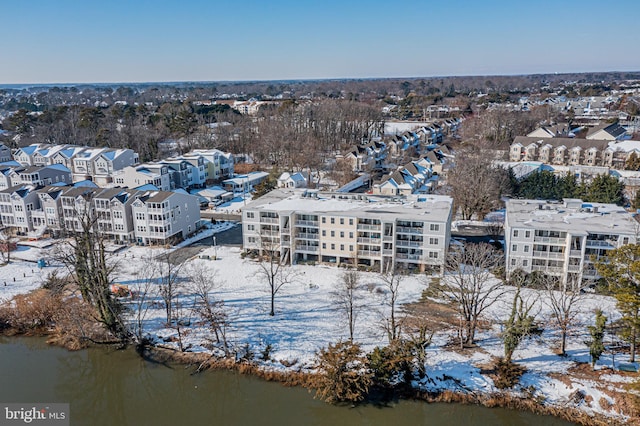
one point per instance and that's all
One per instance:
(507, 374)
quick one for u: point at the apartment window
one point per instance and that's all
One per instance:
(252, 239)
(433, 241)
(434, 227)
(324, 220)
(350, 221)
(513, 262)
(251, 227)
(525, 262)
(515, 232)
(625, 240)
(324, 232)
(341, 234)
(250, 215)
(526, 249)
(333, 220)
(333, 246)
(514, 248)
(333, 233)
(341, 247)
(342, 221)
(527, 234)
(433, 254)
(350, 248)
(324, 245)
(350, 234)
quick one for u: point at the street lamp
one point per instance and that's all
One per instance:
(215, 248)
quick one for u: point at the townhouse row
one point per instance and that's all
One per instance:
(109, 167)
(122, 215)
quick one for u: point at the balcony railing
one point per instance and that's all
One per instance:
(547, 255)
(575, 253)
(408, 256)
(549, 240)
(387, 251)
(365, 240)
(303, 247)
(387, 238)
(269, 220)
(365, 227)
(307, 223)
(599, 243)
(307, 236)
(408, 230)
(405, 243)
(369, 253)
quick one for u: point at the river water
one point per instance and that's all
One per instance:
(110, 387)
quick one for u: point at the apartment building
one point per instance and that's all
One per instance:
(5, 153)
(144, 174)
(411, 232)
(564, 238)
(219, 164)
(16, 205)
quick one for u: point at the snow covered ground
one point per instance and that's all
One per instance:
(307, 318)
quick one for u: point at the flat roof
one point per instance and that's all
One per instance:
(435, 207)
(570, 215)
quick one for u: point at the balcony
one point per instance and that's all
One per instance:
(387, 238)
(574, 268)
(269, 233)
(575, 253)
(365, 240)
(599, 243)
(387, 252)
(405, 243)
(409, 230)
(307, 248)
(307, 223)
(404, 256)
(307, 236)
(269, 219)
(550, 240)
(369, 253)
(547, 255)
(364, 227)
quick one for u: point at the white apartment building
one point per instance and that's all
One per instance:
(219, 164)
(376, 231)
(564, 238)
(16, 205)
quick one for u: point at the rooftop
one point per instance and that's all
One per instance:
(437, 207)
(571, 215)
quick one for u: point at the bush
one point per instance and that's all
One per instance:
(507, 374)
(343, 374)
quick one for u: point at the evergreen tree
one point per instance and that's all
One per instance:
(621, 270)
(596, 345)
(633, 162)
(605, 189)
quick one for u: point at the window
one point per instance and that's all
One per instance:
(333, 246)
(341, 234)
(342, 247)
(333, 233)
(324, 232)
(324, 245)
(526, 249)
(250, 215)
(514, 248)
(433, 254)
(251, 227)
(350, 248)
(433, 241)
(513, 262)
(350, 221)
(527, 234)
(515, 233)
(434, 227)
(525, 262)
(625, 240)
(333, 220)
(342, 221)
(324, 220)
(350, 234)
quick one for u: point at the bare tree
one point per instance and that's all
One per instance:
(203, 282)
(142, 298)
(346, 296)
(470, 283)
(273, 268)
(391, 280)
(475, 185)
(519, 324)
(6, 245)
(91, 268)
(563, 297)
(170, 281)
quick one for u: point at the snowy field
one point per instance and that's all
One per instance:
(307, 319)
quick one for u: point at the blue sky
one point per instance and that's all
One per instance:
(55, 41)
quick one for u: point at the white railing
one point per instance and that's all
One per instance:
(269, 219)
(404, 243)
(376, 241)
(550, 240)
(408, 230)
(306, 223)
(369, 227)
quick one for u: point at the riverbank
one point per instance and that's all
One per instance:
(308, 318)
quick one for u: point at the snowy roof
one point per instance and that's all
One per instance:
(571, 215)
(436, 207)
